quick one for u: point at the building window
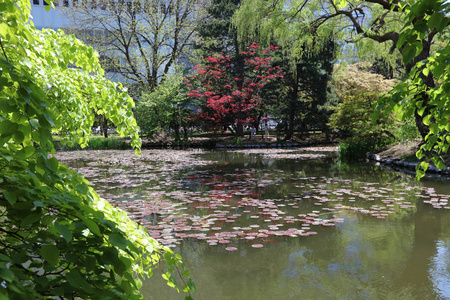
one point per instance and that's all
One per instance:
(46, 2)
(36, 2)
(75, 3)
(56, 3)
(66, 3)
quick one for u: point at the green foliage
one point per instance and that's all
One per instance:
(166, 108)
(301, 99)
(407, 131)
(96, 143)
(58, 237)
(216, 33)
(354, 149)
(425, 93)
(358, 91)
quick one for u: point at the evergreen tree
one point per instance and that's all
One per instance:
(303, 97)
(216, 31)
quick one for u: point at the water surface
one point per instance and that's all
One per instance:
(283, 224)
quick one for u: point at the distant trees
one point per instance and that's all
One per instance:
(216, 34)
(374, 24)
(308, 100)
(384, 28)
(140, 40)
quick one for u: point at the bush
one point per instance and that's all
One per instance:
(357, 149)
(95, 143)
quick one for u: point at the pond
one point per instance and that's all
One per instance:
(282, 224)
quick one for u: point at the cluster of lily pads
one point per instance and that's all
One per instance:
(178, 195)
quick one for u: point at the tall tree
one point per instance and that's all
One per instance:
(216, 33)
(166, 108)
(302, 95)
(140, 40)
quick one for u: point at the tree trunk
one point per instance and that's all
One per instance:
(104, 127)
(176, 129)
(293, 106)
(429, 82)
(240, 74)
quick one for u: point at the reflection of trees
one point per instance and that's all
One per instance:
(362, 258)
(427, 231)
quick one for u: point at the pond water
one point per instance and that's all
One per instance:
(283, 224)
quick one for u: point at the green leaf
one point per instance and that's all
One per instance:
(50, 254)
(77, 281)
(26, 152)
(409, 52)
(35, 123)
(421, 110)
(118, 240)
(435, 19)
(6, 275)
(64, 231)
(4, 258)
(93, 227)
(30, 219)
(11, 197)
(191, 285)
(437, 69)
(7, 128)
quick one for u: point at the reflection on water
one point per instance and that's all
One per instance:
(440, 269)
(378, 234)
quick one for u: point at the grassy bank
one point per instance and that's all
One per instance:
(95, 143)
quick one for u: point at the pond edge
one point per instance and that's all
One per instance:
(405, 166)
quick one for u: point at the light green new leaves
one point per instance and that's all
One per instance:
(59, 238)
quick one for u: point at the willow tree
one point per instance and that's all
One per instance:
(139, 40)
(384, 27)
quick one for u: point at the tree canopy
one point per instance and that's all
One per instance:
(58, 237)
(409, 28)
(228, 101)
(139, 41)
(166, 108)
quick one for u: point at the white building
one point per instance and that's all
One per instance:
(53, 19)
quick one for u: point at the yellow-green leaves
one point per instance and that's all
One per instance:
(340, 3)
(76, 244)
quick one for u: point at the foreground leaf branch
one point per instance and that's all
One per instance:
(59, 238)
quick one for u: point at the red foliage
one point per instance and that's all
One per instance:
(226, 99)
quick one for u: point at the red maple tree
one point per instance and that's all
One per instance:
(228, 96)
